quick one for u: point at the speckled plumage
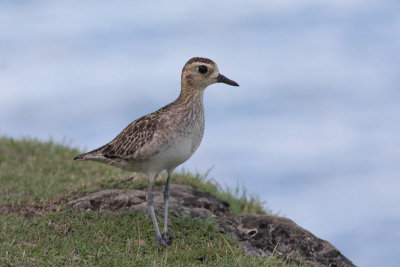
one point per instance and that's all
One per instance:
(166, 138)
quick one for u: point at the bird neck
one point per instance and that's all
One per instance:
(190, 96)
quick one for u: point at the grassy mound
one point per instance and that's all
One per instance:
(42, 177)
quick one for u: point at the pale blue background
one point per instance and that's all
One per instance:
(314, 128)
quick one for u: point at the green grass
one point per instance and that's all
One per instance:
(36, 174)
(118, 239)
(33, 172)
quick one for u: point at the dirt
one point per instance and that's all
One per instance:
(29, 210)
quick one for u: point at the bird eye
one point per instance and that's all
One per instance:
(202, 69)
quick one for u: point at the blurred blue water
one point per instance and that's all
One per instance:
(313, 129)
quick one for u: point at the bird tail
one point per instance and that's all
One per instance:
(80, 157)
(91, 155)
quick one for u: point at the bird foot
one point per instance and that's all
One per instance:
(161, 243)
(168, 238)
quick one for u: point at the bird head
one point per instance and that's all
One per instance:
(201, 72)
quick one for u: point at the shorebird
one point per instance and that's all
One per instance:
(166, 138)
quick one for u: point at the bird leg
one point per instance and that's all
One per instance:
(165, 234)
(149, 198)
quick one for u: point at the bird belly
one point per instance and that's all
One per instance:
(173, 155)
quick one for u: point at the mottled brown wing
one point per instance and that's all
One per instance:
(127, 144)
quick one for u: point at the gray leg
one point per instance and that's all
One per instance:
(160, 241)
(166, 197)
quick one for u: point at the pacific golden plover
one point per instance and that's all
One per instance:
(164, 139)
